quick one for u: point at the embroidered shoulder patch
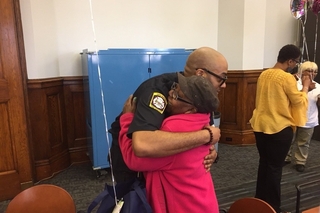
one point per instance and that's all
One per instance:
(158, 102)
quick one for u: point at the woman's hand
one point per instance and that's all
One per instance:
(306, 80)
(130, 105)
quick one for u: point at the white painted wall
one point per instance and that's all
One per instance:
(252, 32)
(281, 29)
(56, 31)
(231, 31)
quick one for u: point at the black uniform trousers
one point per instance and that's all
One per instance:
(272, 149)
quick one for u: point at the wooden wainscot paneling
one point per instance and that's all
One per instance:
(76, 124)
(48, 126)
(237, 102)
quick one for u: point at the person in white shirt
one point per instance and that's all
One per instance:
(302, 138)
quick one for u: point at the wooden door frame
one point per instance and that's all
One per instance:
(24, 74)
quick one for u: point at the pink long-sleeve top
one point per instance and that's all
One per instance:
(177, 183)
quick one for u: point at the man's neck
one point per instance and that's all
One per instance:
(279, 65)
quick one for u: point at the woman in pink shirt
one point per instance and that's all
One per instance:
(177, 183)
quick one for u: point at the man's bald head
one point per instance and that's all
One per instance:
(208, 63)
(205, 57)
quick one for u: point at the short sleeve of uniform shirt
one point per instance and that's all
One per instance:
(151, 103)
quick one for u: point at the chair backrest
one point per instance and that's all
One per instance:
(312, 210)
(305, 191)
(250, 205)
(42, 198)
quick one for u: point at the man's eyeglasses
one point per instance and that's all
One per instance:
(175, 95)
(222, 79)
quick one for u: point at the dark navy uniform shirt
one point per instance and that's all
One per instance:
(150, 112)
(151, 103)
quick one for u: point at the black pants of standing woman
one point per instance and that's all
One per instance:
(273, 149)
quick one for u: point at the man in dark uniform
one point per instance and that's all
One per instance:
(151, 98)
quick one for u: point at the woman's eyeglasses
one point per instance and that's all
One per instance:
(297, 62)
(315, 72)
(175, 95)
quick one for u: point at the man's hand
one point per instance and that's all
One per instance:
(210, 158)
(129, 105)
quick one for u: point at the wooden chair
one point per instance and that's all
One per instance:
(42, 198)
(250, 205)
(313, 210)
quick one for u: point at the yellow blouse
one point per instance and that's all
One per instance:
(279, 103)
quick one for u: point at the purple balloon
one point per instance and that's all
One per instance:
(298, 8)
(316, 7)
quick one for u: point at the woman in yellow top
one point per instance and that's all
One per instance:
(280, 107)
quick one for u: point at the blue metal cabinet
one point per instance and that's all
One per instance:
(121, 72)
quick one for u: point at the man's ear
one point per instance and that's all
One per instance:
(200, 72)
